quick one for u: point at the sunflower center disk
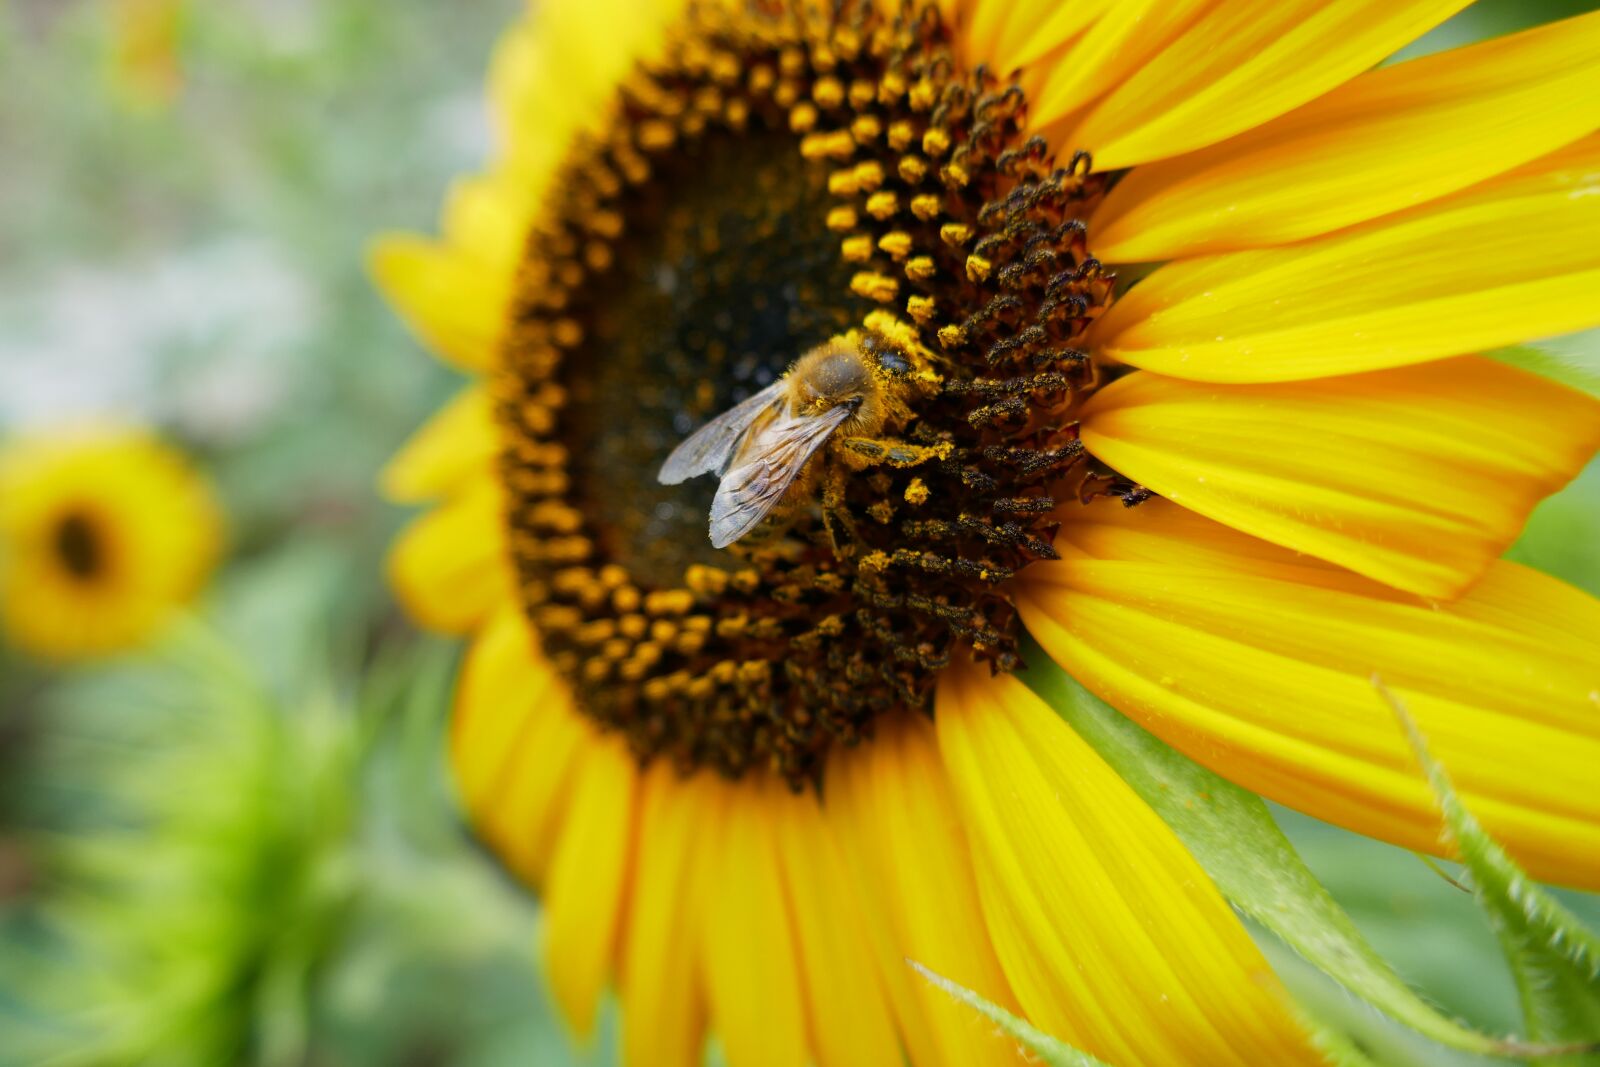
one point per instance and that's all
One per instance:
(724, 273)
(772, 183)
(77, 546)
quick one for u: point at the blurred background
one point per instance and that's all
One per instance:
(239, 848)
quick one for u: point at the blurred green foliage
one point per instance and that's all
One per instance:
(242, 850)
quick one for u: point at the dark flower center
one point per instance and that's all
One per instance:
(777, 182)
(78, 546)
(724, 274)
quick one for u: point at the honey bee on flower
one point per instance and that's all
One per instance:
(810, 735)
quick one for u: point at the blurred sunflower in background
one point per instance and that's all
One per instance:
(1170, 314)
(104, 532)
(145, 69)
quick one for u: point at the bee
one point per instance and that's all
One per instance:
(760, 446)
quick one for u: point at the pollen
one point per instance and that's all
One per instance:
(776, 178)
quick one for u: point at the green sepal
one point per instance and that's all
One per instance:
(1554, 959)
(1050, 1050)
(1573, 361)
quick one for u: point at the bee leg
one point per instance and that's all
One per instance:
(834, 513)
(889, 451)
(1107, 484)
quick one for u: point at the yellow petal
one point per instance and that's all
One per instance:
(555, 75)
(889, 806)
(520, 79)
(752, 974)
(588, 879)
(503, 681)
(450, 567)
(1007, 34)
(662, 995)
(522, 814)
(1508, 260)
(486, 215)
(1122, 40)
(850, 1021)
(515, 738)
(458, 442)
(1412, 132)
(1243, 64)
(455, 303)
(1112, 936)
(1416, 476)
(1260, 666)
(980, 32)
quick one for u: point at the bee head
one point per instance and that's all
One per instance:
(842, 374)
(835, 373)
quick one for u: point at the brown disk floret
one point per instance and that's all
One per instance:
(773, 181)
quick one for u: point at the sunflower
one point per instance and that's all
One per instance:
(103, 532)
(1170, 312)
(145, 67)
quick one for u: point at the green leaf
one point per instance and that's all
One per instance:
(1050, 1050)
(1349, 1033)
(1232, 834)
(1573, 360)
(1554, 959)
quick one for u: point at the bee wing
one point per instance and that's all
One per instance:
(777, 454)
(711, 448)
